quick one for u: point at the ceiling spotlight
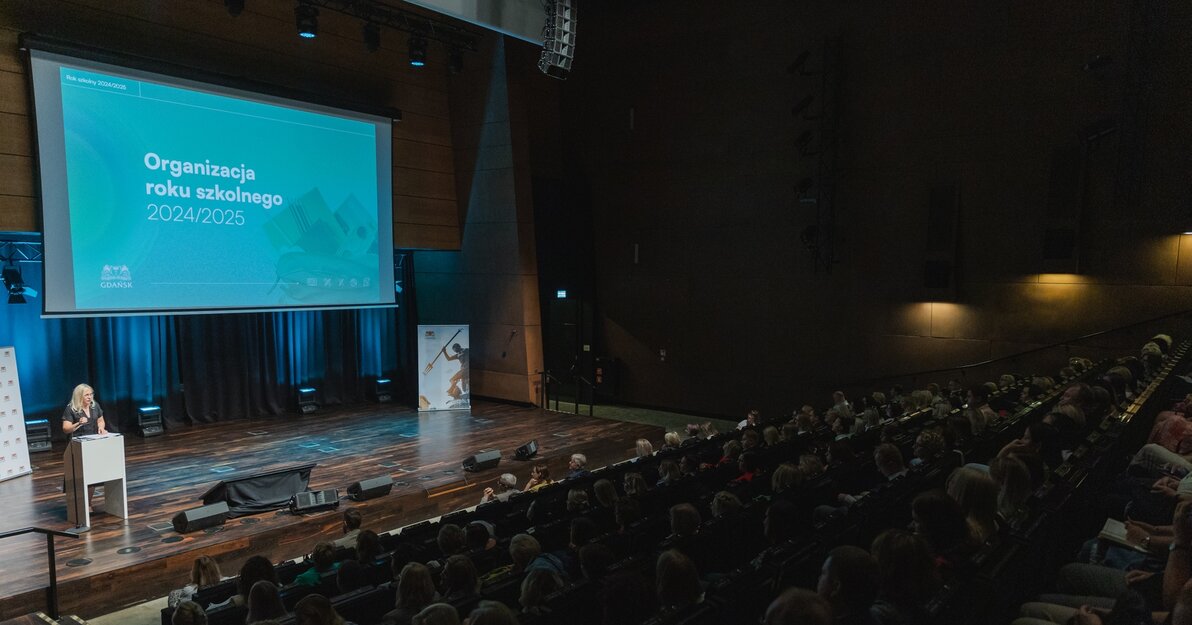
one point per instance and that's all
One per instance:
(455, 60)
(235, 7)
(307, 19)
(372, 36)
(417, 50)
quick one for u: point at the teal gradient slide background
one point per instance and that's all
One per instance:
(134, 249)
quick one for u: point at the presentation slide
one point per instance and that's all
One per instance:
(187, 197)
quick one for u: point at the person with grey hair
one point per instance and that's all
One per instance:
(506, 486)
(437, 614)
(578, 467)
(189, 613)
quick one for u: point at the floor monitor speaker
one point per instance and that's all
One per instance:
(527, 451)
(314, 500)
(483, 460)
(371, 489)
(201, 518)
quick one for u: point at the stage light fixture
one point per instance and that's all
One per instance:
(149, 421)
(15, 285)
(417, 50)
(372, 36)
(306, 400)
(455, 60)
(37, 435)
(235, 7)
(306, 18)
(383, 390)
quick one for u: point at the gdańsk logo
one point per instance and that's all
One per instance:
(115, 277)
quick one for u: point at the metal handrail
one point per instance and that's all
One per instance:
(1017, 355)
(52, 591)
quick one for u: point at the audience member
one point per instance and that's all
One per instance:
(204, 572)
(644, 449)
(482, 546)
(539, 477)
(368, 547)
(577, 501)
(351, 527)
(535, 587)
(750, 419)
(264, 602)
(594, 560)
(578, 467)
(322, 562)
(635, 485)
(977, 494)
(437, 614)
(506, 486)
(254, 569)
(939, 520)
(849, 581)
(1013, 480)
(841, 405)
(350, 576)
(460, 584)
(491, 613)
(908, 578)
(188, 613)
(451, 540)
(798, 606)
(415, 591)
(677, 581)
(317, 610)
(725, 504)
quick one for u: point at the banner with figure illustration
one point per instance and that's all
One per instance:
(14, 449)
(443, 383)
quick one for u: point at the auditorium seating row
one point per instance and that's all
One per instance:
(746, 572)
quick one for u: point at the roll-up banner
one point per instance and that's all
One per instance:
(443, 382)
(14, 447)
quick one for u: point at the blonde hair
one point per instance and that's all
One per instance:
(76, 397)
(204, 572)
(784, 477)
(770, 435)
(977, 494)
(644, 448)
(672, 439)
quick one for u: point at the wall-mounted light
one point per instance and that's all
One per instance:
(417, 51)
(306, 18)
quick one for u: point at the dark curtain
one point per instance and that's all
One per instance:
(208, 368)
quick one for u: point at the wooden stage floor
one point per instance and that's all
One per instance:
(121, 562)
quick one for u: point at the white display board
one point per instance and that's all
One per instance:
(443, 380)
(14, 446)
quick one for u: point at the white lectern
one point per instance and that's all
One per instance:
(89, 460)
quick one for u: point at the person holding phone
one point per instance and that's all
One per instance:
(83, 415)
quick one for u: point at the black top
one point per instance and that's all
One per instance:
(92, 425)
